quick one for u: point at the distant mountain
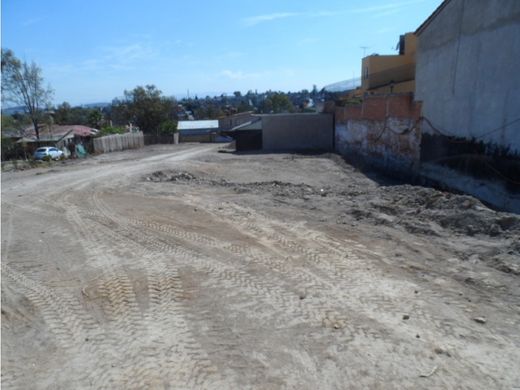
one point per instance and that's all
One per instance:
(12, 110)
(95, 105)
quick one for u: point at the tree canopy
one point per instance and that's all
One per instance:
(144, 106)
(23, 85)
(277, 102)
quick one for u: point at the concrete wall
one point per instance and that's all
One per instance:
(297, 132)
(467, 72)
(383, 130)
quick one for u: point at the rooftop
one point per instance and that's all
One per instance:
(195, 125)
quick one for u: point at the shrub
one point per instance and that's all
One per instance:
(110, 130)
(168, 127)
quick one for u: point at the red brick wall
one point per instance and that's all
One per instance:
(379, 107)
(384, 128)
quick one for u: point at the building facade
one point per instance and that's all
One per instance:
(391, 73)
(467, 72)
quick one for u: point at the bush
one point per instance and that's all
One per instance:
(168, 127)
(110, 130)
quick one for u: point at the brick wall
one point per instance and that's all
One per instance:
(384, 129)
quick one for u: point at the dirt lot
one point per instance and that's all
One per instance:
(179, 267)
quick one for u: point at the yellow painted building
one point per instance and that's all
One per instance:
(391, 73)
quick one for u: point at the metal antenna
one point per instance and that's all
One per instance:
(364, 49)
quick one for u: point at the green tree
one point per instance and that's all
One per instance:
(23, 84)
(276, 103)
(120, 112)
(244, 107)
(146, 107)
(95, 118)
(62, 114)
(168, 127)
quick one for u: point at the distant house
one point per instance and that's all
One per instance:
(391, 73)
(231, 121)
(248, 135)
(60, 135)
(198, 131)
(284, 132)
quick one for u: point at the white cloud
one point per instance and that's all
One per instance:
(376, 11)
(385, 8)
(239, 75)
(254, 20)
(31, 21)
(110, 58)
(126, 54)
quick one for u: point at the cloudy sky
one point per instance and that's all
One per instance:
(92, 50)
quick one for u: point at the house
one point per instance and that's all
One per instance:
(391, 73)
(198, 131)
(60, 135)
(467, 72)
(284, 132)
(231, 121)
(247, 136)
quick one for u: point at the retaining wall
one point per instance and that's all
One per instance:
(385, 130)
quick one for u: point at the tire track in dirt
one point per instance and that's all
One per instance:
(328, 318)
(351, 282)
(289, 309)
(317, 311)
(60, 313)
(126, 328)
(164, 315)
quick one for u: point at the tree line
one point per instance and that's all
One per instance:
(144, 106)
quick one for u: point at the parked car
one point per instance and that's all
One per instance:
(47, 151)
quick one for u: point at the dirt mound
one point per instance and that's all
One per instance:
(429, 211)
(165, 176)
(277, 188)
(274, 187)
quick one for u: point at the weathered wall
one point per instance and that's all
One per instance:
(467, 71)
(383, 130)
(117, 142)
(297, 132)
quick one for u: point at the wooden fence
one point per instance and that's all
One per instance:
(117, 142)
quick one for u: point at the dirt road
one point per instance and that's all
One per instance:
(178, 267)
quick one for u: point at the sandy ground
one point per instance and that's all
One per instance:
(179, 267)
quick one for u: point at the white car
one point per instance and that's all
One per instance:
(47, 151)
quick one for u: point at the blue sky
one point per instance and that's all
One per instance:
(92, 50)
